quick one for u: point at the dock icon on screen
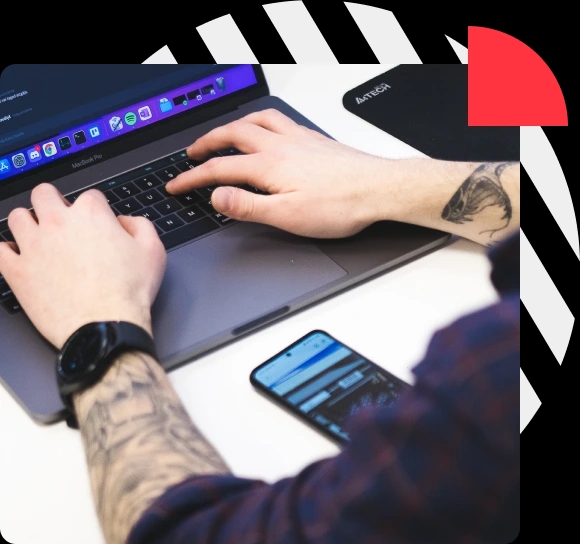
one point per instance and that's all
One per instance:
(115, 123)
(194, 95)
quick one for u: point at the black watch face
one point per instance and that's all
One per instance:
(85, 349)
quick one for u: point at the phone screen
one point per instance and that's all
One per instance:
(325, 382)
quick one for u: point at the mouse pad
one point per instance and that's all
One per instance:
(425, 106)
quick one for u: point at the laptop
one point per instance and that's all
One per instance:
(123, 130)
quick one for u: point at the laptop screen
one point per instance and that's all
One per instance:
(48, 112)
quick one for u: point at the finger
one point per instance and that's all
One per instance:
(246, 137)
(245, 206)
(96, 199)
(65, 201)
(139, 228)
(145, 234)
(8, 258)
(274, 121)
(47, 201)
(235, 170)
(22, 225)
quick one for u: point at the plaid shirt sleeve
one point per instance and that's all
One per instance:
(442, 466)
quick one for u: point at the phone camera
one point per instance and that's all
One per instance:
(288, 355)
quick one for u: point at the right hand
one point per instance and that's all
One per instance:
(318, 187)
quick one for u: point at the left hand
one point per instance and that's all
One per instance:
(76, 264)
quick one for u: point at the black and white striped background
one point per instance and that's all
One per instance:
(316, 32)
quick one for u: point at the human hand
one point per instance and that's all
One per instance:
(76, 264)
(318, 187)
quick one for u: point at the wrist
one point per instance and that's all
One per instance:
(409, 190)
(379, 186)
(90, 353)
(122, 365)
(141, 318)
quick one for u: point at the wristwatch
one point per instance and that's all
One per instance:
(89, 353)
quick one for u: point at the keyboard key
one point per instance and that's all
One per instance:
(169, 223)
(222, 219)
(147, 182)
(72, 198)
(159, 231)
(167, 174)
(191, 214)
(148, 213)
(127, 207)
(252, 189)
(206, 192)
(5, 292)
(184, 166)
(111, 197)
(7, 235)
(179, 156)
(189, 232)
(150, 197)
(164, 192)
(230, 152)
(207, 207)
(126, 190)
(168, 206)
(11, 305)
(188, 199)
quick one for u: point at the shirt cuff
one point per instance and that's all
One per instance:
(185, 500)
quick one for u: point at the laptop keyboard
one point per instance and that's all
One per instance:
(178, 219)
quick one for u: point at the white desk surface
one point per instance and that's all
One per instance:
(44, 487)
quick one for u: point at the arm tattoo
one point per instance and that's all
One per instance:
(139, 441)
(481, 190)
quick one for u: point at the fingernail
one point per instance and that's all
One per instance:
(223, 199)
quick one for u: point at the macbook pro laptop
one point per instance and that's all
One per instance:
(123, 129)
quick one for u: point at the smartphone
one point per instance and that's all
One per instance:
(324, 383)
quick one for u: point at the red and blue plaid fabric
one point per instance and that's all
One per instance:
(443, 466)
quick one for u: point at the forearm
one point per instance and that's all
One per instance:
(139, 441)
(479, 201)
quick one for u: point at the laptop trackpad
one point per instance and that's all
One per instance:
(229, 279)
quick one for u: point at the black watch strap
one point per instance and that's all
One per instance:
(121, 337)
